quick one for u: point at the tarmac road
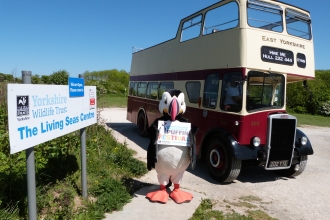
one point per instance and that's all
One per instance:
(304, 197)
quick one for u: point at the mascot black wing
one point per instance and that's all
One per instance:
(170, 161)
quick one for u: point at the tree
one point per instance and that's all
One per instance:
(35, 79)
(298, 98)
(6, 77)
(59, 77)
(45, 79)
(110, 81)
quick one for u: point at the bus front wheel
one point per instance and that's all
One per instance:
(221, 165)
(142, 123)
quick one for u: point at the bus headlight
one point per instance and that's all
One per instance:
(256, 141)
(303, 140)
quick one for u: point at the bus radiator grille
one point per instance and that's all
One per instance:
(282, 140)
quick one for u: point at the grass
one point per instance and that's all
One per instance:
(112, 101)
(312, 120)
(205, 211)
(250, 198)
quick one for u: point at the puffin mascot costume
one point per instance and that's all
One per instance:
(170, 160)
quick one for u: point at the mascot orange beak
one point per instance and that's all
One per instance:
(174, 108)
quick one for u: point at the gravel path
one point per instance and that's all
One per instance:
(304, 197)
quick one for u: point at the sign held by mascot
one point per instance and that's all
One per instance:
(173, 133)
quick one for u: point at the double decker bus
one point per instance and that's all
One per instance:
(233, 61)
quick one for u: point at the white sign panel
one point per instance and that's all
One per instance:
(39, 113)
(173, 133)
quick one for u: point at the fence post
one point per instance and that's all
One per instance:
(83, 157)
(30, 166)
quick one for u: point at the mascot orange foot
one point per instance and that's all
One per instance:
(158, 196)
(180, 196)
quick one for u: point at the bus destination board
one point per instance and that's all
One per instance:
(276, 55)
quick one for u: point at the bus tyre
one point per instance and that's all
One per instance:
(142, 122)
(291, 172)
(221, 165)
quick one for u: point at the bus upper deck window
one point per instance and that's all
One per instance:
(221, 18)
(191, 28)
(298, 24)
(265, 15)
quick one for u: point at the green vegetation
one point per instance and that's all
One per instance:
(298, 98)
(250, 198)
(205, 210)
(108, 81)
(110, 169)
(112, 101)
(312, 120)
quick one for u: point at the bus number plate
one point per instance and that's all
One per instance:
(280, 163)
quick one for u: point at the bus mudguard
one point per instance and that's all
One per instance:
(241, 152)
(303, 149)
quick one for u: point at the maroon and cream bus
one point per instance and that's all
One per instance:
(232, 60)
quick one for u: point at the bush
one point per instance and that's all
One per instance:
(300, 100)
(59, 78)
(9, 212)
(325, 109)
(112, 195)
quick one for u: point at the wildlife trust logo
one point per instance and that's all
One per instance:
(22, 107)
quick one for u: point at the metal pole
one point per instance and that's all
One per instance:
(30, 166)
(83, 158)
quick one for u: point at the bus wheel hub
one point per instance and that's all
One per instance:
(215, 158)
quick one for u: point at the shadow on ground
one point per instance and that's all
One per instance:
(248, 174)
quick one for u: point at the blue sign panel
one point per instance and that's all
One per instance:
(76, 87)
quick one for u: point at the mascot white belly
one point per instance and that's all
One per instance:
(170, 161)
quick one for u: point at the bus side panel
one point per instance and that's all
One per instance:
(207, 120)
(129, 108)
(152, 111)
(149, 107)
(193, 115)
(137, 104)
(255, 125)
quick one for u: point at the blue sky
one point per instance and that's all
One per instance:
(45, 36)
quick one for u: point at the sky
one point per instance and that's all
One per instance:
(45, 36)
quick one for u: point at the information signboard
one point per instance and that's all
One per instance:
(277, 55)
(39, 113)
(76, 87)
(173, 133)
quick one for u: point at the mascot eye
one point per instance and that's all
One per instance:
(165, 102)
